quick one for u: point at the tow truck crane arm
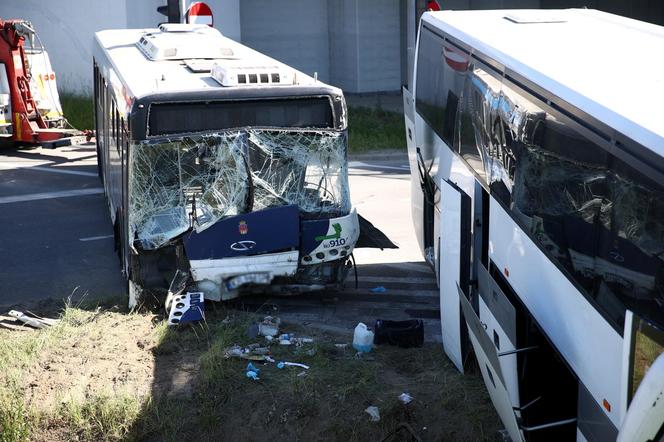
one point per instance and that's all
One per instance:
(29, 126)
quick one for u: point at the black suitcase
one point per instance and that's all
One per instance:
(404, 334)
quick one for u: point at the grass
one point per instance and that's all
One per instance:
(107, 418)
(375, 129)
(368, 129)
(326, 402)
(17, 353)
(78, 110)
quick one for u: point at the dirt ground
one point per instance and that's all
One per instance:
(117, 376)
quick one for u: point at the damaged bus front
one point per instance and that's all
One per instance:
(225, 170)
(262, 203)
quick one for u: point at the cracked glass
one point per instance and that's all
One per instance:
(190, 182)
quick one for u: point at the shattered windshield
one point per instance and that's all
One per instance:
(192, 181)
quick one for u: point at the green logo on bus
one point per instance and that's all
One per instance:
(335, 235)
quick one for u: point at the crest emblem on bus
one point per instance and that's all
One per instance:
(243, 228)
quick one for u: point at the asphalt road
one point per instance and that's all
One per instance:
(56, 239)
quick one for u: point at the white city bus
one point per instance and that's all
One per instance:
(220, 165)
(535, 142)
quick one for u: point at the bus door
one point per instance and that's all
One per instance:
(454, 267)
(643, 381)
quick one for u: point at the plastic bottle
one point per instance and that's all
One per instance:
(363, 338)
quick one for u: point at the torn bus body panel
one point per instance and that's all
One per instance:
(254, 249)
(330, 239)
(250, 207)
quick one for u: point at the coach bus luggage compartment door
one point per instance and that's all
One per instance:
(499, 317)
(492, 373)
(454, 267)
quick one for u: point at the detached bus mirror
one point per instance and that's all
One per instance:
(644, 420)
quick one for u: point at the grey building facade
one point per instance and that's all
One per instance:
(367, 46)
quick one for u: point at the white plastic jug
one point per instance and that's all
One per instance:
(363, 339)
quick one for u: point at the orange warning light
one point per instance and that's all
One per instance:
(606, 405)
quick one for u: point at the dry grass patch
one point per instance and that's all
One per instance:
(107, 376)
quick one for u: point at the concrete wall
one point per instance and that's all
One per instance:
(226, 16)
(67, 28)
(352, 44)
(292, 31)
(358, 45)
(379, 45)
(344, 52)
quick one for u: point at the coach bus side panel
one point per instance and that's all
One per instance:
(416, 193)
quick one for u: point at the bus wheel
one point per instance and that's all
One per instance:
(134, 294)
(134, 290)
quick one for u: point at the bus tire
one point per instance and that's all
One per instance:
(99, 164)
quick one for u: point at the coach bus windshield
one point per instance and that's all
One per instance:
(192, 181)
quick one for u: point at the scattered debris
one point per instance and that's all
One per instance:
(12, 324)
(189, 307)
(301, 374)
(374, 413)
(269, 327)
(252, 352)
(292, 364)
(302, 341)
(405, 398)
(252, 372)
(379, 289)
(252, 330)
(289, 339)
(363, 338)
(344, 346)
(405, 334)
(284, 339)
(29, 319)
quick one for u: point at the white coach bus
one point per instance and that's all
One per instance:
(220, 164)
(535, 142)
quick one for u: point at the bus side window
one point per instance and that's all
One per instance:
(441, 69)
(598, 217)
(476, 119)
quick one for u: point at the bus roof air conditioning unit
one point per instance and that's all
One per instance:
(180, 42)
(229, 75)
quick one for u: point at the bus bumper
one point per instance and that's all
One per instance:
(296, 255)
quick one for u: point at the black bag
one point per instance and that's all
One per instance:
(404, 334)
